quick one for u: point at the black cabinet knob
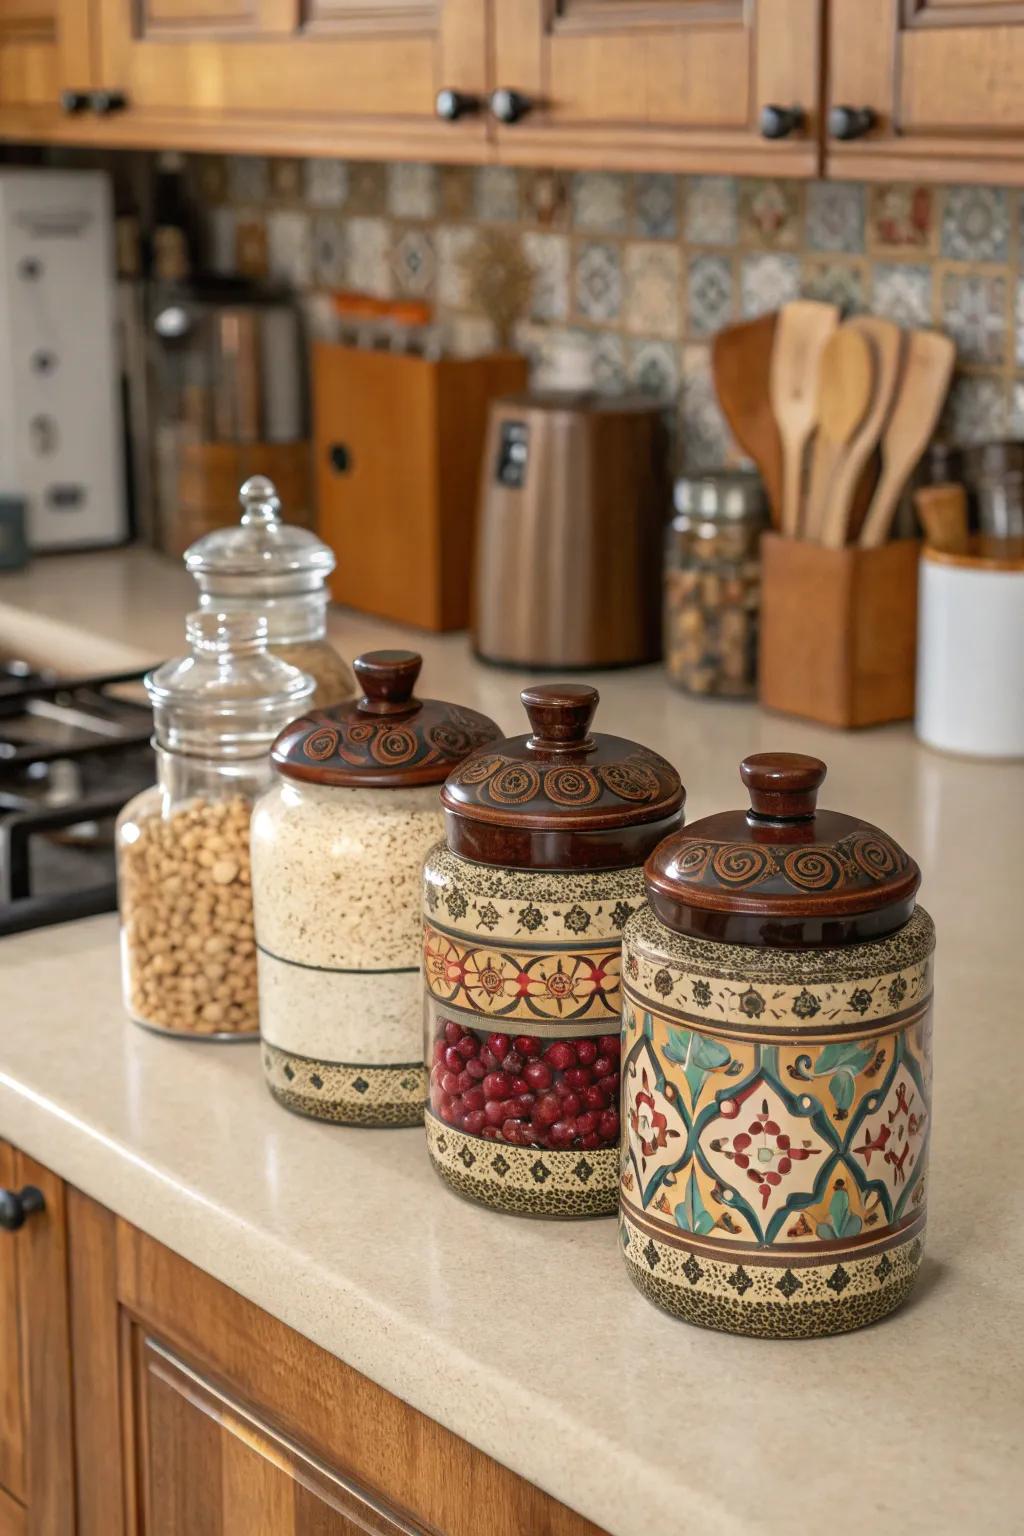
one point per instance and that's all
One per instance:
(104, 103)
(851, 122)
(780, 122)
(340, 458)
(451, 105)
(16, 1206)
(510, 106)
(73, 101)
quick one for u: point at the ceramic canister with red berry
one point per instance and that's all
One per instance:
(776, 1066)
(524, 905)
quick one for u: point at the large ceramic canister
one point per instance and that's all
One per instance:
(777, 1067)
(337, 849)
(524, 905)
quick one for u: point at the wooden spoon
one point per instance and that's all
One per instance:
(802, 331)
(924, 384)
(741, 358)
(845, 392)
(887, 342)
(942, 512)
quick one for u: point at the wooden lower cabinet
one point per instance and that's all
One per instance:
(140, 1397)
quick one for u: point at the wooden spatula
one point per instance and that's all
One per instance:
(741, 357)
(887, 342)
(942, 511)
(846, 384)
(923, 386)
(802, 331)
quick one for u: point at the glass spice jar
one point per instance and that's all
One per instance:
(279, 570)
(713, 584)
(184, 887)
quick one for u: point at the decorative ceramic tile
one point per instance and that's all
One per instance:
(330, 250)
(251, 245)
(211, 178)
(653, 368)
(453, 244)
(470, 335)
(902, 217)
(367, 187)
(222, 241)
(413, 263)
(289, 248)
(835, 216)
(496, 193)
(655, 206)
(709, 294)
(369, 270)
(976, 410)
(652, 284)
(326, 183)
(286, 179)
(974, 314)
(609, 363)
(976, 224)
(412, 191)
(770, 214)
(545, 197)
(456, 191)
(902, 293)
(247, 179)
(703, 434)
(598, 282)
(600, 201)
(768, 281)
(834, 282)
(711, 210)
(548, 255)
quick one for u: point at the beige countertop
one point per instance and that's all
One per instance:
(525, 1337)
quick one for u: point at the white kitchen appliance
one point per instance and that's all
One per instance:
(61, 443)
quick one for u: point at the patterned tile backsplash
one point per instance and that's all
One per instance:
(645, 267)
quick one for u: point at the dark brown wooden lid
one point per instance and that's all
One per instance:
(562, 798)
(782, 873)
(388, 739)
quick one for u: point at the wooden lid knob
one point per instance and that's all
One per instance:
(783, 785)
(560, 714)
(388, 679)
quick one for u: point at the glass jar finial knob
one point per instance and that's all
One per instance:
(260, 501)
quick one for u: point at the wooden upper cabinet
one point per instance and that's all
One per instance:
(331, 75)
(944, 80)
(44, 49)
(680, 84)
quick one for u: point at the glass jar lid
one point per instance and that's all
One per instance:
(562, 798)
(230, 696)
(783, 873)
(262, 556)
(388, 739)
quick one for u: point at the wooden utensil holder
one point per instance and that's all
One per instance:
(838, 630)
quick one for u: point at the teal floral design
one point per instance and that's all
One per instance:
(691, 1213)
(841, 1220)
(697, 1055)
(841, 1064)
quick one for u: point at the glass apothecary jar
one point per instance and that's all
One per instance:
(337, 850)
(184, 890)
(524, 903)
(713, 584)
(776, 1066)
(275, 568)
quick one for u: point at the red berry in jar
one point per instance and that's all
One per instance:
(476, 1069)
(465, 1081)
(527, 1045)
(494, 1112)
(604, 1066)
(517, 1133)
(520, 1085)
(538, 1074)
(468, 1046)
(608, 1045)
(586, 1052)
(452, 1060)
(497, 1085)
(452, 1032)
(569, 1104)
(590, 1143)
(561, 1133)
(560, 1055)
(523, 1105)
(499, 1045)
(547, 1110)
(488, 1058)
(586, 1124)
(473, 1098)
(473, 1121)
(610, 1084)
(513, 1063)
(439, 1049)
(448, 1112)
(595, 1097)
(491, 1132)
(608, 1129)
(578, 1077)
(450, 1082)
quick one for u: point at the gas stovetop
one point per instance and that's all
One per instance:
(72, 752)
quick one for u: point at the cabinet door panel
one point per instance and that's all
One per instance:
(211, 1467)
(276, 74)
(12, 1416)
(945, 79)
(674, 82)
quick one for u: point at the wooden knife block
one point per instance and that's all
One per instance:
(838, 630)
(398, 445)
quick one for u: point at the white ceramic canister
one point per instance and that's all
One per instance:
(337, 850)
(970, 652)
(524, 906)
